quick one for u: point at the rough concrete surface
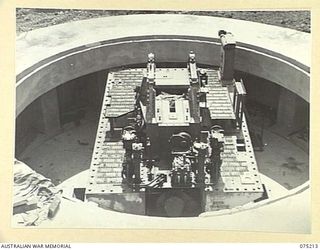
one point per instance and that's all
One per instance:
(29, 19)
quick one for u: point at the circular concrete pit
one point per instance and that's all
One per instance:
(61, 72)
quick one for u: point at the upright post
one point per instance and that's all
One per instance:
(228, 46)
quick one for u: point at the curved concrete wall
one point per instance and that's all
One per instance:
(49, 57)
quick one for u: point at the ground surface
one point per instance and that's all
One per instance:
(29, 19)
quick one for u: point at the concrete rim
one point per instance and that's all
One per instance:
(80, 40)
(258, 34)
